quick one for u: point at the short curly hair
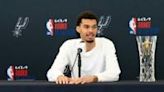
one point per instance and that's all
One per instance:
(86, 15)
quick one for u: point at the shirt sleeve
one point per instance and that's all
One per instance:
(59, 63)
(112, 69)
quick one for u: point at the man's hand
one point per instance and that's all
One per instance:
(63, 80)
(84, 80)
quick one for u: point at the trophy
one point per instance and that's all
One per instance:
(146, 38)
(146, 48)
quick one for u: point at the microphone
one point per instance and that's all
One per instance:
(79, 50)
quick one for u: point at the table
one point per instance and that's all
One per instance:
(44, 86)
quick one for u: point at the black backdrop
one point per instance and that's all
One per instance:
(37, 50)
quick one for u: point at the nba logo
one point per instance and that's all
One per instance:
(10, 73)
(133, 25)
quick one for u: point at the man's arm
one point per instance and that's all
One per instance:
(112, 69)
(59, 63)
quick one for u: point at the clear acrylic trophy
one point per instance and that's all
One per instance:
(146, 48)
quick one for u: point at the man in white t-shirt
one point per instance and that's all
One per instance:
(98, 56)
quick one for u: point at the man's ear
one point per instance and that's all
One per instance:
(78, 29)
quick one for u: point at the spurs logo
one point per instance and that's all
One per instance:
(21, 24)
(103, 23)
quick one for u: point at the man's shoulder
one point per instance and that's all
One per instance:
(106, 43)
(72, 41)
(104, 40)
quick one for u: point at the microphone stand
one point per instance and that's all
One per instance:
(79, 64)
(79, 50)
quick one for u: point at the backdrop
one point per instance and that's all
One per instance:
(26, 39)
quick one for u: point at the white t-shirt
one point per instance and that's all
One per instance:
(100, 61)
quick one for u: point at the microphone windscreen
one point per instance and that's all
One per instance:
(79, 50)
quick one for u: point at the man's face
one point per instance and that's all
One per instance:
(87, 30)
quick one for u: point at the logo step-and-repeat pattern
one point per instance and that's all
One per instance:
(31, 35)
